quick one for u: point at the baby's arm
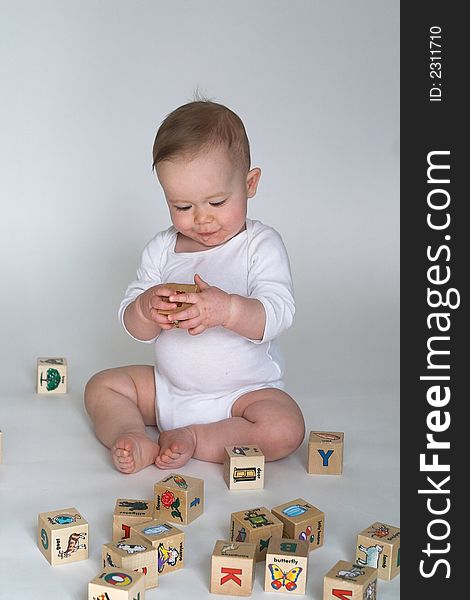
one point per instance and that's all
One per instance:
(265, 312)
(138, 311)
(212, 307)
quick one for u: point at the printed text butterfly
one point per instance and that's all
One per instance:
(284, 579)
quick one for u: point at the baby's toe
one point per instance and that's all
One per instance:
(176, 449)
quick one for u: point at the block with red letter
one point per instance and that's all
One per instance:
(167, 539)
(132, 554)
(325, 452)
(179, 288)
(128, 513)
(286, 566)
(63, 536)
(117, 584)
(243, 467)
(51, 376)
(378, 546)
(233, 568)
(256, 525)
(349, 581)
(179, 499)
(302, 521)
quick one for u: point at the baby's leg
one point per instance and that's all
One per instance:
(121, 402)
(268, 418)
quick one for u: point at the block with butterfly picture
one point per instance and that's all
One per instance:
(286, 566)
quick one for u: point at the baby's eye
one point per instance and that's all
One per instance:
(182, 207)
(217, 203)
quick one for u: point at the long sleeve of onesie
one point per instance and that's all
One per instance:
(270, 280)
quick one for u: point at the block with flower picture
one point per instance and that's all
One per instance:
(179, 499)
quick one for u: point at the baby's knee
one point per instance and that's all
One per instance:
(96, 385)
(294, 432)
(288, 438)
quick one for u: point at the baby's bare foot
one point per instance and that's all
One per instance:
(134, 451)
(176, 448)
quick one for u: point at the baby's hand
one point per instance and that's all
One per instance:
(151, 301)
(210, 308)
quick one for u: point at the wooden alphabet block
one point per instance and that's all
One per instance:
(302, 521)
(117, 584)
(243, 467)
(179, 499)
(286, 566)
(256, 525)
(133, 554)
(348, 581)
(51, 376)
(128, 513)
(325, 452)
(233, 568)
(167, 539)
(378, 546)
(179, 288)
(63, 536)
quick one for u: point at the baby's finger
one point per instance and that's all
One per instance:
(163, 291)
(197, 330)
(183, 315)
(160, 319)
(160, 304)
(187, 298)
(186, 323)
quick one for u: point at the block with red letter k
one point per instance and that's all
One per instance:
(233, 568)
(231, 575)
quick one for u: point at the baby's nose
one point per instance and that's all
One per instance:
(203, 216)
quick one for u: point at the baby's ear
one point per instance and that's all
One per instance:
(252, 180)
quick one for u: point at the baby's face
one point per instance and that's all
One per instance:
(207, 195)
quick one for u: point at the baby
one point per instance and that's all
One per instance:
(217, 379)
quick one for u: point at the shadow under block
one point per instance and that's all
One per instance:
(243, 467)
(128, 513)
(233, 568)
(286, 566)
(63, 536)
(378, 546)
(348, 581)
(132, 555)
(117, 584)
(179, 288)
(257, 526)
(179, 499)
(325, 452)
(167, 539)
(51, 376)
(302, 521)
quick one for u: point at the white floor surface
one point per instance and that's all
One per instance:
(52, 460)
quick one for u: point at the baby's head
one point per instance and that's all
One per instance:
(201, 155)
(198, 127)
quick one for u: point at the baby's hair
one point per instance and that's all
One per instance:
(199, 126)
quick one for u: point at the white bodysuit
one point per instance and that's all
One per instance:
(198, 378)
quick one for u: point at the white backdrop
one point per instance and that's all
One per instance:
(84, 86)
